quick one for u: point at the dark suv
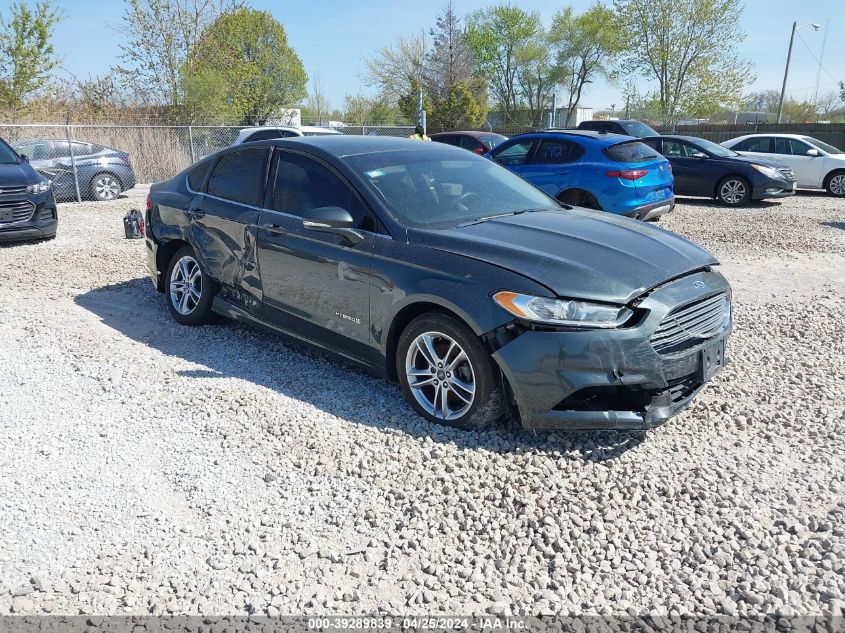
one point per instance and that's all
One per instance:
(103, 172)
(619, 126)
(27, 205)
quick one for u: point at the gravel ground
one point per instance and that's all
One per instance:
(151, 468)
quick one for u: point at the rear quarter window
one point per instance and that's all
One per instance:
(630, 152)
(196, 176)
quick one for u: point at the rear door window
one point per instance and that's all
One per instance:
(239, 176)
(196, 176)
(557, 152)
(762, 145)
(630, 152)
(472, 144)
(515, 154)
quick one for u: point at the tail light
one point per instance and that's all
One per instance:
(149, 202)
(127, 161)
(480, 150)
(628, 174)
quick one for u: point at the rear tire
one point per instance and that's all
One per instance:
(579, 198)
(188, 290)
(835, 184)
(454, 379)
(733, 191)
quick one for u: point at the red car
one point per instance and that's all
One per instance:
(478, 142)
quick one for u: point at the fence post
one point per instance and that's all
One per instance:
(72, 158)
(363, 130)
(191, 141)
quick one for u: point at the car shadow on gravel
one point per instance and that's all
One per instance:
(835, 225)
(710, 202)
(136, 310)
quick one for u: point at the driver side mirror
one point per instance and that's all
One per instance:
(813, 152)
(332, 220)
(24, 157)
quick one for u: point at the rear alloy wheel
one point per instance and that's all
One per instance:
(836, 184)
(579, 198)
(105, 187)
(446, 376)
(733, 191)
(189, 291)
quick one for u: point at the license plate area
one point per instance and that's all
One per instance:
(711, 360)
(5, 215)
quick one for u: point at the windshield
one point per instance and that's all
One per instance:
(635, 128)
(434, 188)
(713, 148)
(830, 149)
(492, 140)
(7, 154)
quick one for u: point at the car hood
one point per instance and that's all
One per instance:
(580, 254)
(759, 161)
(17, 175)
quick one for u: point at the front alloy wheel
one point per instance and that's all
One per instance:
(733, 191)
(189, 291)
(836, 185)
(440, 376)
(446, 375)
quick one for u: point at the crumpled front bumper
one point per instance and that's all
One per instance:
(547, 370)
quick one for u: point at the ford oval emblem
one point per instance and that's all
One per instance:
(698, 284)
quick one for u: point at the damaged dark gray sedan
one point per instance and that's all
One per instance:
(482, 296)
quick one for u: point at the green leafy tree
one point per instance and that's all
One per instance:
(689, 48)
(498, 37)
(536, 76)
(26, 52)
(243, 67)
(361, 110)
(461, 108)
(585, 47)
(408, 102)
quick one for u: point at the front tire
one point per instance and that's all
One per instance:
(189, 290)
(105, 186)
(836, 184)
(733, 191)
(446, 375)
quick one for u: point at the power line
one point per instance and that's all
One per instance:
(809, 50)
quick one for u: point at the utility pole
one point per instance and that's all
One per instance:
(795, 27)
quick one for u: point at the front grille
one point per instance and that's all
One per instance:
(691, 323)
(5, 191)
(21, 210)
(788, 172)
(683, 388)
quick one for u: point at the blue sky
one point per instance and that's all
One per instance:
(333, 37)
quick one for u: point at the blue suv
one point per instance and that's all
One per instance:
(609, 172)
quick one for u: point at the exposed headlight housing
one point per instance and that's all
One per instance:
(566, 312)
(39, 187)
(769, 172)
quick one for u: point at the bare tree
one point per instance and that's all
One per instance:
(160, 34)
(317, 101)
(395, 67)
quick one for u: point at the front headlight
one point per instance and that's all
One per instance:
(768, 171)
(39, 187)
(562, 311)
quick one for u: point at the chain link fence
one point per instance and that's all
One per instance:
(100, 161)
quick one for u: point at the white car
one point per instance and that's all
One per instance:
(816, 164)
(266, 132)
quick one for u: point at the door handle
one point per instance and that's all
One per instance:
(275, 228)
(195, 213)
(563, 171)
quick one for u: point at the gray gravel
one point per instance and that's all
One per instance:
(151, 468)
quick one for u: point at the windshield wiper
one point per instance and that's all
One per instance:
(503, 215)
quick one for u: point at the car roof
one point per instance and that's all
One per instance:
(768, 134)
(680, 137)
(473, 133)
(343, 145)
(602, 138)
